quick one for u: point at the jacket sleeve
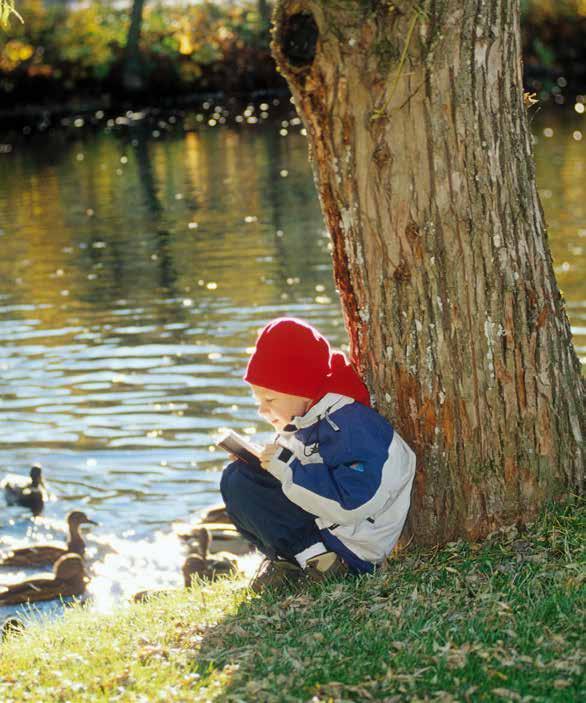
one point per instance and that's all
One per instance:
(344, 494)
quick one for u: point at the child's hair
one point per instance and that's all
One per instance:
(292, 357)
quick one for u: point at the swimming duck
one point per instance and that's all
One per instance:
(68, 579)
(28, 494)
(40, 554)
(205, 566)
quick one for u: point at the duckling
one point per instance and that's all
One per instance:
(69, 579)
(204, 566)
(28, 494)
(40, 554)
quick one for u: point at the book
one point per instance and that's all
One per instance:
(239, 446)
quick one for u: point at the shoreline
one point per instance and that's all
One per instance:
(22, 114)
(49, 114)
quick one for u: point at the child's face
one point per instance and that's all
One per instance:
(278, 408)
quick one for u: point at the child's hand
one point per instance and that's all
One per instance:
(267, 454)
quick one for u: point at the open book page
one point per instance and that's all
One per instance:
(244, 449)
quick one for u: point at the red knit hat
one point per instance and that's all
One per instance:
(292, 357)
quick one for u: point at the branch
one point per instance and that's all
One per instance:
(405, 7)
(6, 10)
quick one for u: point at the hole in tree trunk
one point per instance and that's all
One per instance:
(299, 39)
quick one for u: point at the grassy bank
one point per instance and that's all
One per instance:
(498, 621)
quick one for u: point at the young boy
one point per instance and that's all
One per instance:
(334, 489)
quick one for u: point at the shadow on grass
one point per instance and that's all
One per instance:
(493, 621)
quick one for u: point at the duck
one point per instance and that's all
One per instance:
(28, 494)
(68, 579)
(224, 538)
(216, 513)
(11, 626)
(199, 565)
(40, 554)
(147, 594)
(204, 566)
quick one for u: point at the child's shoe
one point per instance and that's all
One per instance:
(275, 573)
(325, 566)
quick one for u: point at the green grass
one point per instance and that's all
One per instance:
(498, 621)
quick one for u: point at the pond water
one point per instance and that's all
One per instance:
(139, 257)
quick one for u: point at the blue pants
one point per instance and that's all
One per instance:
(264, 515)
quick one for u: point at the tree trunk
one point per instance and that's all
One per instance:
(264, 13)
(422, 158)
(133, 72)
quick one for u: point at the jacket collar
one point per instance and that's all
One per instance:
(329, 403)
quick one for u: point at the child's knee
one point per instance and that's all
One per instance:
(229, 478)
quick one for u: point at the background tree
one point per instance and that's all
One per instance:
(422, 158)
(264, 13)
(133, 70)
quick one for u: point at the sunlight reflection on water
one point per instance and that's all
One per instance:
(117, 566)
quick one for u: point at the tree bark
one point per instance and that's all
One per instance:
(422, 158)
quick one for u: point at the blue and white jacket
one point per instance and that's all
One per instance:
(345, 464)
